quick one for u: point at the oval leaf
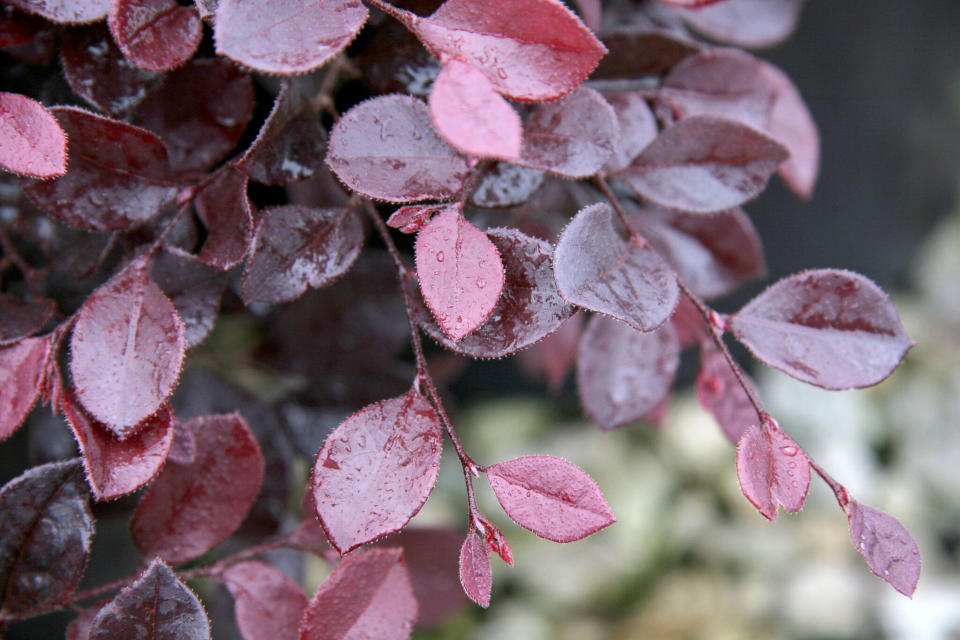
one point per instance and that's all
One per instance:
(636, 123)
(746, 23)
(386, 148)
(475, 574)
(551, 497)
(269, 605)
(830, 328)
(31, 141)
(886, 545)
(412, 218)
(460, 272)
(65, 11)
(720, 393)
(155, 35)
(21, 376)
(224, 210)
(506, 185)
(376, 469)
(193, 287)
(553, 357)
(773, 470)
(20, 318)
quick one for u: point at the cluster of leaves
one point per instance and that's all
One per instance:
(616, 197)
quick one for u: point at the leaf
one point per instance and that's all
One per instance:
(46, 530)
(224, 209)
(599, 271)
(471, 116)
(529, 50)
(386, 148)
(573, 137)
(412, 218)
(65, 11)
(890, 551)
(296, 247)
(286, 36)
(475, 573)
(269, 605)
(624, 374)
(191, 508)
(830, 328)
(193, 287)
(506, 185)
(21, 318)
(720, 393)
(126, 351)
(156, 605)
(114, 467)
(644, 50)
(184, 447)
(691, 4)
(550, 497)
(755, 24)
(31, 141)
(529, 308)
(155, 35)
(367, 596)
(792, 124)
(118, 175)
(376, 469)
(773, 470)
(636, 124)
(460, 272)
(79, 627)
(554, 356)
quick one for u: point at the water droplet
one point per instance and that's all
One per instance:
(789, 451)
(439, 256)
(481, 283)
(502, 73)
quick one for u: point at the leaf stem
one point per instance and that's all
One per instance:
(839, 491)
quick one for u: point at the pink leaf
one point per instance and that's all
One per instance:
(831, 328)
(117, 467)
(31, 141)
(720, 393)
(224, 209)
(624, 374)
(297, 247)
(412, 218)
(550, 497)
(286, 36)
(886, 545)
(386, 148)
(376, 469)
(21, 374)
(746, 23)
(127, 348)
(191, 508)
(773, 470)
(368, 596)
(636, 123)
(460, 272)
(269, 605)
(792, 124)
(475, 574)
(598, 270)
(65, 11)
(528, 49)
(471, 116)
(193, 287)
(155, 35)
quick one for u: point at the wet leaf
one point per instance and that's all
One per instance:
(412, 218)
(773, 470)
(156, 35)
(636, 124)
(21, 318)
(269, 605)
(31, 141)
(224, 209)
(193, 287)
(746, 23)
(720, 393)
(886, 545)
(475, 574)
(65, 11)
(21, 375)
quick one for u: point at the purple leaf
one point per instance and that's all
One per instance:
(704, 164)
(720, 393)
(189, 509)
(193, 287)
(553, 357)
(157, 605)
(21, 318)
(746, 23)
(598, 270)
(45, 534)
(286, 36)
(636, 123)
(624, 374)
(155, 35)
(21, 376)
(33, 144)
(376, 469)
(269, 605)
(297, 247)
(412, 218)
(790, 122)
(224, 209)
(886, 545)
(475, 574)
(118, 176)
(368, 596)
(773, 470)
(183, 450)
(528, 49)
(506, 185)
(551, 497)
(127, 348)
(114, 467)
(79, 627)
(460, 273)
(386, 148)
(642, 50)
(830, 328)
(65, 11)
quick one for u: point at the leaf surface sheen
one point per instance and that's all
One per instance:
(21, 374)
(754, 24)
(506, 185)
(65, 11)
(269, 605)
(773, 470)
(193, 287)
(156, 35)
(889, 549)
(224, 209)
(720, 393)
(32, 143)
(475, 573)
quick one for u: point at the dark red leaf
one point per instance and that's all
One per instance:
(126, 351)
(45, 534)
(529, 308)
(624, 374)
(183, 450)
(886, 545)
(386, 148)
(460, 273)
(193, 287)
(746, 23)
(191, 508)
(471, 116)
(269, 605)
(573, 137)
(117, 467)
(830, 328)
(475, 574)
(688, 323)
(528, 49)
(551, 497)
(297, 247)
(79, 627)
(18, 29)
(720, 393)
(65, 11)
(411, 219)
(773, 470)
(625, 279)
(201, 111)
(21, 318)
(506, 185)
(641, 50)
(553, 357)
(368, 596)
(224, 209)
(118, 176)
(157, 605)
(376, 469)
(636, 123)
(31, 142)
(497, 543)
(155, 35)
(286, 36)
